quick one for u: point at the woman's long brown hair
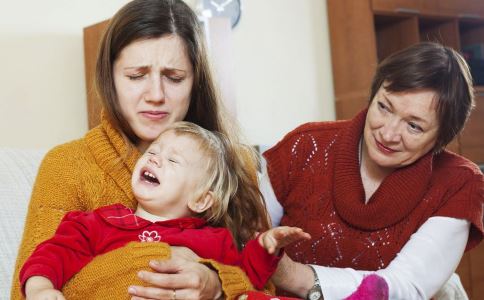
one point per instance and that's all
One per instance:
(145, 19)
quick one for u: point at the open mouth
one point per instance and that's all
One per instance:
(149, 177)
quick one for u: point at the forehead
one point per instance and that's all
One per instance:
(183, 144)
(167, 50)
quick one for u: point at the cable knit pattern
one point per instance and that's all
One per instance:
(83, 175)
(314, 171)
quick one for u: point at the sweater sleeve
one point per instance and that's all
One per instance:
(256, 262)
(54, 193)
(423, 265)
(63, 255)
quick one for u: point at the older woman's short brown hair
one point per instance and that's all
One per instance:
(434, 67)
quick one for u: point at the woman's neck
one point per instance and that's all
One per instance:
(372, 174)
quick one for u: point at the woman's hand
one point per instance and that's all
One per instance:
(178, 278)
(293, 277)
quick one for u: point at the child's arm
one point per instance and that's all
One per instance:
(278, 237)
(39, 287)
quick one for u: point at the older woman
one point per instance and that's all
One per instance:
(379, 193)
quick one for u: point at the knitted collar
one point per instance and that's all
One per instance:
(395, 198)
(123, 217)
(111, 154)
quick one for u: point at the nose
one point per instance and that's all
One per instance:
(154, 161)
(155, 91)
(390, 131)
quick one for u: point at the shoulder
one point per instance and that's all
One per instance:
(318, 128)
(71, 153)
(448, 163)
(64, 163)
(315, 131)
(61, 157)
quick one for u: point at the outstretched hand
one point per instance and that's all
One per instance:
(278, 237)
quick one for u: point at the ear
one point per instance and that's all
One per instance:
(203, 203)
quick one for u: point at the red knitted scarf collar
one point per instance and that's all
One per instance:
(395, 198)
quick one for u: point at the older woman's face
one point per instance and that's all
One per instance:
(153, 80)
(400, 127)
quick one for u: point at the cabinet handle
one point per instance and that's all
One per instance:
(469, 16)
(405, 10)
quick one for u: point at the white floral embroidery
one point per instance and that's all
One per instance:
(149, 236)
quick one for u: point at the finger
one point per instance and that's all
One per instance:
(144, 292)
(160, 280)
(173, 265)
(169, 281)
(184, 253)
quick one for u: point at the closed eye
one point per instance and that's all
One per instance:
(382, 106)
(172, 160)
(135, 77)
(415, 128)
(175, 79)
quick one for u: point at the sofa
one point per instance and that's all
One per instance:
(18, 168)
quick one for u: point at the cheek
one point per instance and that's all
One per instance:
(419, 147)
(181, 102)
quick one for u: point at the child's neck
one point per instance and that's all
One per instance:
(142, 213)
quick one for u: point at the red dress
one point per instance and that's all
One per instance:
(83, 235)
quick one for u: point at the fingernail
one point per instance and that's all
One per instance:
(141, 274)
(131, 290)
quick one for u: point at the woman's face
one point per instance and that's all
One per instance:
(400, 127)
(153, 80)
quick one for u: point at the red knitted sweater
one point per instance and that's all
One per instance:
(314, 171)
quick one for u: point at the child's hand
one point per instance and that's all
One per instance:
(41, 288)
(47, 294)
(278, 237)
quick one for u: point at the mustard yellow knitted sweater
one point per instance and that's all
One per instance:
(83, 175)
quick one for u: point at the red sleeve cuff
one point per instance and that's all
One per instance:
(258, 263)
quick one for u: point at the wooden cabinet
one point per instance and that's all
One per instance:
(406, 6)
(92, 38)
(472, 147)
(364, 32)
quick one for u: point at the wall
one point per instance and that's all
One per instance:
(282, 68)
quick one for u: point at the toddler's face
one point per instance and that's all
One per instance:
(168, 175)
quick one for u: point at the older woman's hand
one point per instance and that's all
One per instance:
(293, 277)
(181, 277)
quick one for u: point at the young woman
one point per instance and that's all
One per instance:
(151, 71)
